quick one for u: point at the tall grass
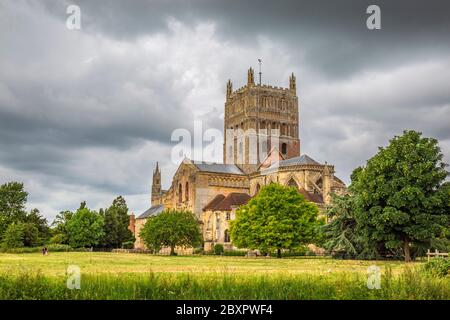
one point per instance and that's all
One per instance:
(408, 285)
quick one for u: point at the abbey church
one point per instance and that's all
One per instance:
(261, 146)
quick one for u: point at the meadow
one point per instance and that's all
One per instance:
(142, 276)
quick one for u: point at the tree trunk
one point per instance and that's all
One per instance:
(406, 250)
(172, 250)
(278, 253)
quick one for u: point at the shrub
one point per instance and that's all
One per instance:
(198, 251)
(218, 249)
(128, 245)
(59, 248)
(235, 253)
(56, 239)
(437, 267)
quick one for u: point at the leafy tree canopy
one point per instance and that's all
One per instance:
(277, 218)
(85, 228)
(116, 224)
(171, 228)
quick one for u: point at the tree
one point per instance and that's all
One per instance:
(278, 217)
(340, 232)
(60, 227)
(171, 228)
(399, 194)
(43, 231)
(85, 228)
(116, 224)
(12, 204)
(30, 235)
(13, 236)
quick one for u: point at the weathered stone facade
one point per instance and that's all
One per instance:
(214, 191)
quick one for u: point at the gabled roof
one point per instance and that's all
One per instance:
(231, 200)
(217, 167)
(300, 160)
(214, 202)
(274, 156)
(313, 197)
(303, 159)
(153, 211)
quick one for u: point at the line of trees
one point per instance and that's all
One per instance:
(107, 228)
(398, 204)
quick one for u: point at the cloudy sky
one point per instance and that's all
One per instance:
(85, 114)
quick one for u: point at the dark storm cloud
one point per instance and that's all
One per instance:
(85, 115)
(331, 35)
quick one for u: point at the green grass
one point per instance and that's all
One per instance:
(139, 276)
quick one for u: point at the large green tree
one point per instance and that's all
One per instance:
(116, 224)
(59, 227)
(278, 217)
(37, 221)
(13, 236)
(13, 199)
(399, 196)
(85, 228)
(171, 228)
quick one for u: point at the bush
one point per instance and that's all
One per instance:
(218, 249)
(59, 248)
(438, 267)
(56, 239)
(198, 251)
(234, 253)
(128, 245)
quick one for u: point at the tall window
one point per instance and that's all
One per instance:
(284, 148)
(227, 216)
(186, 191)
(226, 236)
(180, 193)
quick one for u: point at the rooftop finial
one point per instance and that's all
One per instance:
(292, 84)
(250, 77)
(260, 63)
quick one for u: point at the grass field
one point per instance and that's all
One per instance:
(140, 276)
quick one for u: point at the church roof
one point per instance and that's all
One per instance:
(303, 159)
(226, 203)
(313, 197)
(300, 160)
(214, 202)
(153, 211)
(218, 168)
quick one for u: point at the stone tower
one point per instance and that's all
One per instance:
(258, 116)
(156, 185)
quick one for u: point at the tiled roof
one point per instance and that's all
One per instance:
(214, 202)
(232, 199)
(153, 211)
(218, 167)
(313, 197)
(303, 159)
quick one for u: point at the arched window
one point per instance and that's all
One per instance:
(186, 191)
(226, 236)
(180, 193)
(284, 148)
(258, 186)
(292, 183)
